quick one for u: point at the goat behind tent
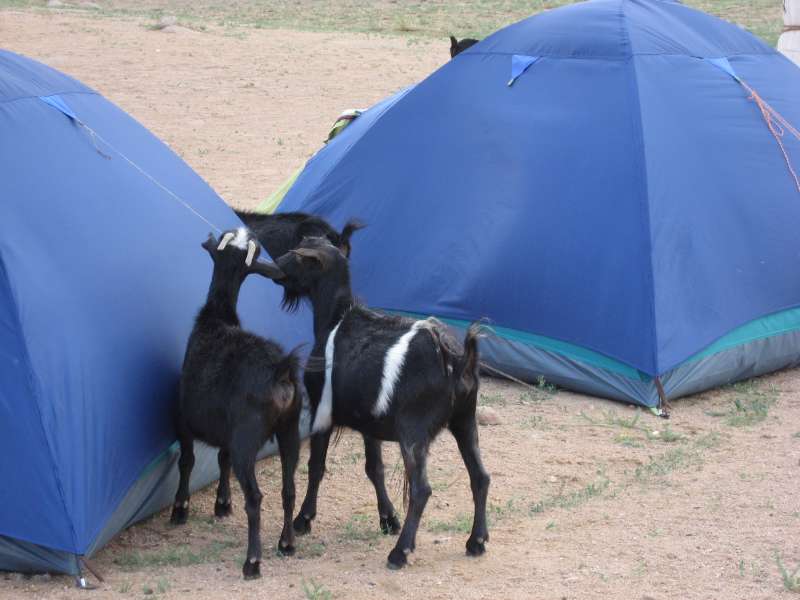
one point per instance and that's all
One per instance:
(458, 46)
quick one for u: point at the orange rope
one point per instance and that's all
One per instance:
(777, 125)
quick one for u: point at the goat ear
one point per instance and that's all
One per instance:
(312, 254)
(210, 244)
(268, 270)
(350, 227)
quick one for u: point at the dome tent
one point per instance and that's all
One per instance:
(101, 275)
(595, 180)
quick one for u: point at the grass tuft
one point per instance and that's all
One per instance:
(315, 591)
(791, 580)
(177, 556)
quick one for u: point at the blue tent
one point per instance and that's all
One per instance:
(101, 274)
(598, 182)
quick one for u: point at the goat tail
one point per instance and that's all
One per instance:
(470, 359)
(288, 367)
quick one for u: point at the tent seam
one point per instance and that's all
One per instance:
(620, 58)
(34, 388)
(638, 125)
(18, 98)
(345, 154)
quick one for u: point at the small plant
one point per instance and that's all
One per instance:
(147, 590)
(550, 525)
(543, 386)
(125, 587)
(492, 400)
(534, 422)
(612, 419)
(747, 412)
(313, 550)
(667, 435)
(359, 529)
(791, 581)
(162, 586)
(315, 591)
(796, 435)
(180, 556)
(628, 441)
(462, 523)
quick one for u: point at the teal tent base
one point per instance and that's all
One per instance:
(25, 557)
(762, 346)
(742, 362)
(154, 490)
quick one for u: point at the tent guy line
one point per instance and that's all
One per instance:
(58, 104)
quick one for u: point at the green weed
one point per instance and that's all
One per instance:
(461, 523)
(178, 556)
(315, 591)
(360, 528)
(791, 580)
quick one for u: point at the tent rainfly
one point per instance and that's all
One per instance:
(101, 274)
(607, 182)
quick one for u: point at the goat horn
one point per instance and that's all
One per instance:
(225, 239)
(251, 252)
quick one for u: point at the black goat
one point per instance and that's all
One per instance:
(237, 390)
(457, 47)
(390, 378)
(279, 233)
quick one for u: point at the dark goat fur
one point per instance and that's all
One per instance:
(458, 46)
(237, 390)
(436, 387)
(280, 232)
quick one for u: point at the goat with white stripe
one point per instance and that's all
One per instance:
(390, 378)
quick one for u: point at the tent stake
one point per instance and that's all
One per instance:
(663, 403)
(91, 570)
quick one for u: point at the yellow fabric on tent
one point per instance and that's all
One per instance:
(269, 205)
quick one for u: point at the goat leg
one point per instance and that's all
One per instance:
(415, 456)
(316, 470)
(389, 522)
(180, 509)
(223, 506)
(244, 467)
(466, 433)
(289, 446)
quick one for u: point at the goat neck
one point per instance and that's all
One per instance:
(223, 295)
(331, 298)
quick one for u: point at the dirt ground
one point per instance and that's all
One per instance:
(589, 498)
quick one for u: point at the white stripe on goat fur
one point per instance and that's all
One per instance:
(393, 364)
(324, 417)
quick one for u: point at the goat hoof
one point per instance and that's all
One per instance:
(285, 549)
(251, 570)
(476, 547)
(179, 516)
(390, 525)
(223, 509)
(302, 525)
(397, 559)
